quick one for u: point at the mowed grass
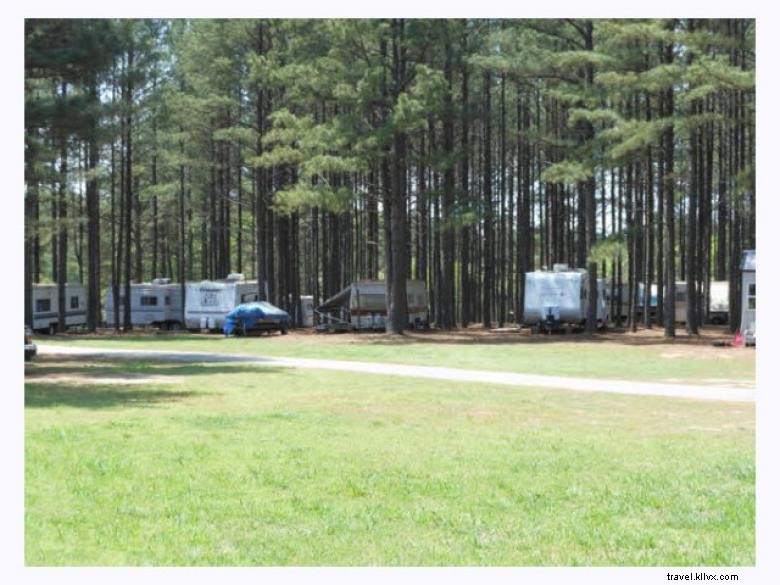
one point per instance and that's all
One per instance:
(242, 465)
(597, 359)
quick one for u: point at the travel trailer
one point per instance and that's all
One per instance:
(363, 306)
(45, 303)
(208, 302)
(557, 299)
(157, 303)
(622, 291)
(719, 302)
(748, 326)
(718, 308)
(307, 310)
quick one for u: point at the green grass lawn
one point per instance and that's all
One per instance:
(237, 465)
(656, 362)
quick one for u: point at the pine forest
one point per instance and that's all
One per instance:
(309, 154)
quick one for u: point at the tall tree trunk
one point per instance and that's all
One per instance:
(488, 256)
(668, 182)
(62, 217)
(692, 315)
(448, 197)
(181, 260)
(30, 224)
(93, 215)
(260, 179)
(590, 203)
(128, 113)
(397, 310)
(649, 227)
(465, 276)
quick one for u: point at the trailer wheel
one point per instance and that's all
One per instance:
(283, 330)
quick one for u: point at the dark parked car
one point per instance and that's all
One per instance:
(256, 317)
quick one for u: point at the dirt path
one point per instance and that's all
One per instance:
(720, 393)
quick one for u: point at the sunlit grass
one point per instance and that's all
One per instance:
(241, 465)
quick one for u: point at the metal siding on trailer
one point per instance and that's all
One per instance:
(748, 321)
(143, 315)
(553, 289)
(225, 296)
(719, 296)
(43, 319)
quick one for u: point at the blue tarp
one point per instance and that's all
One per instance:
(247, 315)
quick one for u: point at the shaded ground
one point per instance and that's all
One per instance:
(477, 334)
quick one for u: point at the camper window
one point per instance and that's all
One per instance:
(680, 296)
(752, 297)
(209, 299)
(42, 305)
(249, 297)
(147, 301)
(167, 300)
(74, 302)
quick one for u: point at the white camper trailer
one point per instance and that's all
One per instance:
(719, 302)
(157, 303)
(559, 298)
(718, 305)
(45, 303)
(307, 310)
(363, 306)
(718, 308)
(748, 326)
(207, 302)
(621, 293)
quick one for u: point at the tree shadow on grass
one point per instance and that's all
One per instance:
(103, 367)
(95, 396)
(483, 337)
(135, 384)
(461, 336)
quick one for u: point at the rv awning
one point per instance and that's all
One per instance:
(337, 301)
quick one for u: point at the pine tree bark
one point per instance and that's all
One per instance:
(397, 310)
(668, 182)
(590, 202)
(447, 314)
(127, 324)
(488, 257)
(93, 215)
(465, 276)
(62, 216)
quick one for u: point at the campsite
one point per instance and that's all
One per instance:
(390, 292)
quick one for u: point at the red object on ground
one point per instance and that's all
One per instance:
(739, 340)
